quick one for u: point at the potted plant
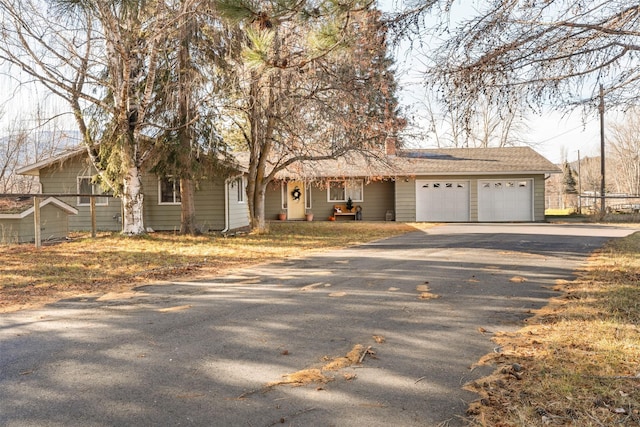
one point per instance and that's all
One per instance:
(309, 216)
(282, 215)
(349, 205)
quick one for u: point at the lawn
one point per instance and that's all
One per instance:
(111, 262)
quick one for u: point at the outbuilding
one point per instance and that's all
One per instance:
(17, 224)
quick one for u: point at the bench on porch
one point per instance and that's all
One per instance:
(341, 210)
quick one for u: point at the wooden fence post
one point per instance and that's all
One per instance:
(93, 216)
(36, 222)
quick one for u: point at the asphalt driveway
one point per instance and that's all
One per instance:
(201, 353)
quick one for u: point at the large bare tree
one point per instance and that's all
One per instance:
(532, 53)
(624, 154)
(103, 59)
(313, 82)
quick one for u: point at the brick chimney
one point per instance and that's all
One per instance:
(390, 146)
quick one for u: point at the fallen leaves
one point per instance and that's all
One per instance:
(318, 375)
(425, 293)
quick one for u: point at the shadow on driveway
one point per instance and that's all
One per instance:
(200, 353)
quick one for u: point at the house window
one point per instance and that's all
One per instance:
(340, 191)
(86, 186)
(307, 196)
(169, 191)
(240, 189)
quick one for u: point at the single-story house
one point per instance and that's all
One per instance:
(17, 224)
(431, 185)
(220, 201)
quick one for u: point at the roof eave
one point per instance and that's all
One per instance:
(34, 169)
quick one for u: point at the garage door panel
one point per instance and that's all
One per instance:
(446, 201)
(505, 200)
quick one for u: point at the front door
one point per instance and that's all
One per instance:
(295, 200)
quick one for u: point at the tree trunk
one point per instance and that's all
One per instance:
(258, 222)
(132, 200)
(187, 208)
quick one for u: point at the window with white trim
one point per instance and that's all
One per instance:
(340, 191)
(239, 185)
(168, 191)
(87, 186)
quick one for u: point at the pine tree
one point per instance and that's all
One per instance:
(568, 180)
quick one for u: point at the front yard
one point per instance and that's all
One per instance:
(112, 262)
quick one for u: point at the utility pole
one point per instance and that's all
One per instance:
(602, 182)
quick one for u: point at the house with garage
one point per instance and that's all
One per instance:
(220, 201)
(425, 185)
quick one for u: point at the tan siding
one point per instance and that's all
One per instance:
(10, 230)
(159, 217)
(63, 178)
(209, 200)
(538, 198)
(379, 197)
(209, 206)
(473, 199)
(273, 201)
(405, 199)
(238, 211)
(53, 225)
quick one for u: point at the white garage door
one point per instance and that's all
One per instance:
(505, 200)
(446, 201)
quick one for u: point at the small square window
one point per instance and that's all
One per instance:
(448, 185)
(436, 185)
(87, 186)
(498, 185)
(522, 184)
(486, 185)
(511, 184)
(460, 185)
(169, 191)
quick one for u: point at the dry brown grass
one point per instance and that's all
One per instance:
(112, 262)
(578, 361)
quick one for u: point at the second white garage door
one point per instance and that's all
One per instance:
(445, 201)
(505, 200)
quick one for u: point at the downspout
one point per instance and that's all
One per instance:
(226, 205)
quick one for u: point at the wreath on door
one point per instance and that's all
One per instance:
(296, 194)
